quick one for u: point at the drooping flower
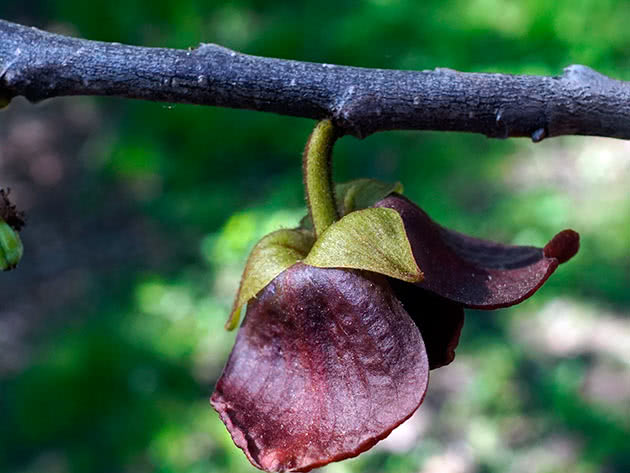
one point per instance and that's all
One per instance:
(345, 319)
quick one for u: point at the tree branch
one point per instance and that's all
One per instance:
(39, 65)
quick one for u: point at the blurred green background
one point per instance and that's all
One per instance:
(141, 215)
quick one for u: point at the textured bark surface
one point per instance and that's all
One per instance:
(38, 65)
(326, 363)
(479, 274)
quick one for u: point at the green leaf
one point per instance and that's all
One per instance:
(363, 193)
(358, 195)
(11, 248)
(271, 255)
(372, 240)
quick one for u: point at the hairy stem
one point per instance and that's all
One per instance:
(317, 172)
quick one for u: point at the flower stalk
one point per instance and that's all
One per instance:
(317, 172)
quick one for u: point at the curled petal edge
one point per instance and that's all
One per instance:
(476, 273)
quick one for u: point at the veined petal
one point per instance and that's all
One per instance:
(272, 254)
(326, 363)
(371, 240)
(477, 273)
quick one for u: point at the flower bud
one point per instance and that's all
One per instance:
(11, 248)
(11, 222)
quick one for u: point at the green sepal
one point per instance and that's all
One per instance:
(11, 248)
(372, 240)
(270, 256)
(363, 193)
(357, 195)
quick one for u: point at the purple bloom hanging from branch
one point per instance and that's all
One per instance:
(347, 314)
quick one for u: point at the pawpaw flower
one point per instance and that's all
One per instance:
(344, 323)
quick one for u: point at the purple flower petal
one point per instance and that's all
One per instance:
(479, 274)
(439, 320)
(326, 364)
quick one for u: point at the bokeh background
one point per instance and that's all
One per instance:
(140, 217)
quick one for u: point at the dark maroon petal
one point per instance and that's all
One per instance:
(440, 321)
(326, 363)
(479, 274)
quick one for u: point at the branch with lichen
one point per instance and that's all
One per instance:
(40, 65)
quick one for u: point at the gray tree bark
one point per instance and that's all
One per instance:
(39, 65)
